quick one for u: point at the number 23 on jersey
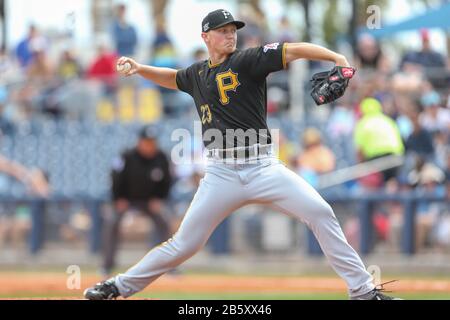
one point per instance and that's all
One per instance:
(206, 114)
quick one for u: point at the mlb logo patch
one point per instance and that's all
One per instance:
(272, 46)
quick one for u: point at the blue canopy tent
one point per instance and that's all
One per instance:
(434, 18)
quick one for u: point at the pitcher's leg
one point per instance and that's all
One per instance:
(292, 195)
(213, 202)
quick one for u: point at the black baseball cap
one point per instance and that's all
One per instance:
(148, 132)
(219, 18)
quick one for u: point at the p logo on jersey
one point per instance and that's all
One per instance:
(226, 81)
(271, 46)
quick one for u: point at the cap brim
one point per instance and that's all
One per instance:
(238, 24)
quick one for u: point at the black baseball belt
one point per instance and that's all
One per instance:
(241, 152)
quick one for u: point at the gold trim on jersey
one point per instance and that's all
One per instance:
(224, 88)
(283, 55)
(213, 65)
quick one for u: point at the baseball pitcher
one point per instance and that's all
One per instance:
(229, 90)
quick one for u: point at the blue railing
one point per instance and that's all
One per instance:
(366, 204)
(220, 240)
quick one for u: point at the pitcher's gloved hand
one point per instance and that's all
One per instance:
(330, 85)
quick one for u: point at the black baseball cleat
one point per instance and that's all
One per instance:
(105, 290)
(376, 294)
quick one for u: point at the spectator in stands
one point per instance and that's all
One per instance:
(164, 55)
(429, 62)
(342, 120)
(69, 68)
(434, 117)
(441, 142)
(124, 34)
(427, 178)
(369, 55)
(316, 158)
(16, 226)
(141, 179)
(74, 94)
(406, 107)
(426, 57)
(277, 83)
(32, 42)
(42, 77)
(442, 231)
(285, 32)
(425, 172)
(200, 54)
(255, 31)
(40, 71)
(103, 70)
(377, 136)
(420, 141)
(34, 179)
(287, 151)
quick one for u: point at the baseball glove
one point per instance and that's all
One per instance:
(330, 85)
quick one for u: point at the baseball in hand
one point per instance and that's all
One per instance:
(124, 68)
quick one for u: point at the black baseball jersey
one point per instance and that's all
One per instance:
(233, 94)
(137, 178)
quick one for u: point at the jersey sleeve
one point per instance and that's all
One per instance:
(261, 61)
(185, 79)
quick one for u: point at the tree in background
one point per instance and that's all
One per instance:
(158, 10)
(335, 21)
(3, 24)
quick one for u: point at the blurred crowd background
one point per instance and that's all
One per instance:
(66, 112)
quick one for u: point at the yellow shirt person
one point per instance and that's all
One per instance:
(376, 134)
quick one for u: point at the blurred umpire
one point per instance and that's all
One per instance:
(141, 180)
